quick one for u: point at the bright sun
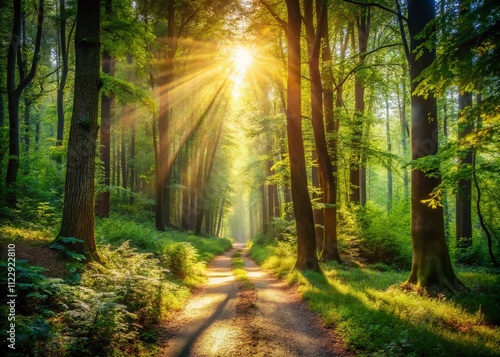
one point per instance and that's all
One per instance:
(242, 59)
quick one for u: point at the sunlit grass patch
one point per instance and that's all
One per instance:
(240, 273)
(375, 316)
(116, 230)
(35, 234)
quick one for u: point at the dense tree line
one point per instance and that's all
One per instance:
(347, 104)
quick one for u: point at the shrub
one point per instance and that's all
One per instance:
(282, 230)
(137, 280)
(181, 258)
(380, 244)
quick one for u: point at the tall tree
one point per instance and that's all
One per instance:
(78, 211)
(389, 150)
(358, 168)
(64, 63)
(330, 245)
(465, 127)
(163, 169)
(108, 67)
(431, 262)
(15, 58)
(328, 183)
(302, 208)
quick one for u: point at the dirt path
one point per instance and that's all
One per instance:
(221, 320)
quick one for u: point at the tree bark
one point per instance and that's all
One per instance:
(330, 247)
(405, 132)
(14, 93)
(103, 199)
(185, 177)
(78, 212)
(163, 168)
(306, 242)
(317, 212)
(63, 47)
(389, 150)
(463, 215)
(431, 262)
(358, 169)
(263, 209)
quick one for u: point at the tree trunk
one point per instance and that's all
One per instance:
(78, 212)
(163, 169)
(389, 150)
(103, 199)
(63, 47)
(330, 247)
(464, 192)
(306, 242)
(27, 125)
(404, 136)
(14, 93)
(358, 169)
(133, 176)
(209, 165)
(123, 150)
(185, 177)
(200, 182)
(431, 261)
(318, 212)
(263, 209)
(270, 187)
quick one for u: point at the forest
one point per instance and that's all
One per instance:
(347, 149)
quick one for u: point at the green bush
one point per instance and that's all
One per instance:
(282, 230)
(364, 235)
(137, 280)
(182, 260)
(100, 325)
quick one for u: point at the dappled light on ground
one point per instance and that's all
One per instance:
(227, 318)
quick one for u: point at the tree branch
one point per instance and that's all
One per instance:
(399, 15)
(36, 53)
(479, 213)
(402, 30)
(283, 24)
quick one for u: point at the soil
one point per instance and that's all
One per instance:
(227, 319)
(38, 254)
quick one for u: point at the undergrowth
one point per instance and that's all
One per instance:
(376, 317)
(110, 309)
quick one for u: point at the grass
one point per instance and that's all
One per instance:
(376, 317)
(116, 230)
(240, 273)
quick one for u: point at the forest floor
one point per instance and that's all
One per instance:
(225, 318)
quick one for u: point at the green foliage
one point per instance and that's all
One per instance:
(282, 230)
(118, 229)
(109, 309)
(102, 314)
(65, 248)
(363, 234)
(126, 92)
(100, 324)
(382, 244)
(182, 260)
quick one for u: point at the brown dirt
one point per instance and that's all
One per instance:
(226, 319)
(39, 254)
